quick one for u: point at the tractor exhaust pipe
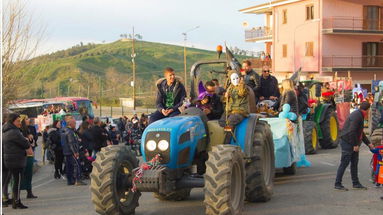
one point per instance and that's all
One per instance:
(190, 182)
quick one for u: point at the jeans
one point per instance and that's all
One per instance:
(348, 155)
(158, 115)
(73, 169)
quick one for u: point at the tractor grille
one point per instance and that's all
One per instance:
(157, 136)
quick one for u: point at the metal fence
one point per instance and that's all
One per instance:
(353, 23)
(353, 61)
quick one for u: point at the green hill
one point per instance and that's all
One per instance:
(82, 69)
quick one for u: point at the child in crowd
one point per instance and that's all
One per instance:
(377, 162)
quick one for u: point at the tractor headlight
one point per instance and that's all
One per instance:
(151, 145)
(163, 145)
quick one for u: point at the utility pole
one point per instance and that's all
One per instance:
(134, 72)
(99, 78)
(79, 89)
(185, 38)
(88, 91)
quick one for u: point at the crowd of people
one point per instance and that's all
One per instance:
(72, 150)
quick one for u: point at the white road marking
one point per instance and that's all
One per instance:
(327, 163)
(40, 185)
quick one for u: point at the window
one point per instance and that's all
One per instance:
(284, 17)
(284, 50)
(309, 49)
(309, 12)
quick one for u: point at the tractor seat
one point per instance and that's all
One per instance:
(251, 99)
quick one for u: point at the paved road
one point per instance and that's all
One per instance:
(308, 192)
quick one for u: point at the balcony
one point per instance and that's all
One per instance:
(259, 34)
(352, 25)
(345, 63)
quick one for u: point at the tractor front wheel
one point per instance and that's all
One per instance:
(111, 181)
(225, 181)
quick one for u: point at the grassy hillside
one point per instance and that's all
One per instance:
(82, 69)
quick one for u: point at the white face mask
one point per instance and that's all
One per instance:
(234, 78)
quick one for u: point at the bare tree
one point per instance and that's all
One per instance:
(20, 40)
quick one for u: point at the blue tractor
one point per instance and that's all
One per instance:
(192, 155)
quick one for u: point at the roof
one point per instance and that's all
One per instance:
(267, 7)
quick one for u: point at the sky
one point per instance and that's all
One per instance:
(69, 22)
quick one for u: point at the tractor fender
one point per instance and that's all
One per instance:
(245, 135)
(325, 108)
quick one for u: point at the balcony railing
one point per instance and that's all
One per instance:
(259, 33)
(353, 61)
(353, 23)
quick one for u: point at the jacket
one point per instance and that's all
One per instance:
(252, 79)
(99, 137)
(54, 139)
(289, 97)
(14, 145)
(269, 87)
(238, 102)
(353, 129)
(179, 94)
(69, 141)
(86, 139)
(217, 108)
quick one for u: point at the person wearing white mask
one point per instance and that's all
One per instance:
(236, 104)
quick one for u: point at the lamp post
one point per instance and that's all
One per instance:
(185, 38)
(295, 30)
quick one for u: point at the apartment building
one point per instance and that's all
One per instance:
(322, 37)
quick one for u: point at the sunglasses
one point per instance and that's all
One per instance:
(268, 71)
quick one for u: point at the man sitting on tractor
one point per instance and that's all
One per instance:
(208, 101)
(250, 77)
(236, 105)
(268, 86)
(170, 96)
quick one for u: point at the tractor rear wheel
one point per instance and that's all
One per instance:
(310, 137)
(260, 169)
(330, 130)
(225, 181)
(111, 181)
(178, 195)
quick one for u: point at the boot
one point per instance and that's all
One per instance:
(18, 205)
(57, 175)
(30, 195)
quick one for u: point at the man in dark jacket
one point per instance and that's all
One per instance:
(251, 78)
(170, 96)
(268, 86)
(71, 149)
(216, 110)
(16, 147)
(98, 135)
(350, 139)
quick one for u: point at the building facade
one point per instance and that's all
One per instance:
(322, 37)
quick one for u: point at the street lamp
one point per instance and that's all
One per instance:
(185, 38)
(295, 30)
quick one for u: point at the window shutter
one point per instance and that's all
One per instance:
(365, 17)
(284, 50)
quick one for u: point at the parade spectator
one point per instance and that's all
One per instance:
(114, 136)
(98, 135)
(33, 132)
(251, 78)
(85, 135)
(218, 89)
(143, 122)
(105, 133)
(71, 147)
(377, 162)
(54, 140)
(170, 96)
(350, 139)
(16, 148)
(289, 96)
(268, 86)
(135, 121)
(45, 146)
(26, 179)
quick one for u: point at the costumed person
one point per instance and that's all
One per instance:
(237, 105)
(328, 94)
(289, 96)
(377, 163)
(208, 101)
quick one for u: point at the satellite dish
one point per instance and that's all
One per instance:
(245, 24)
